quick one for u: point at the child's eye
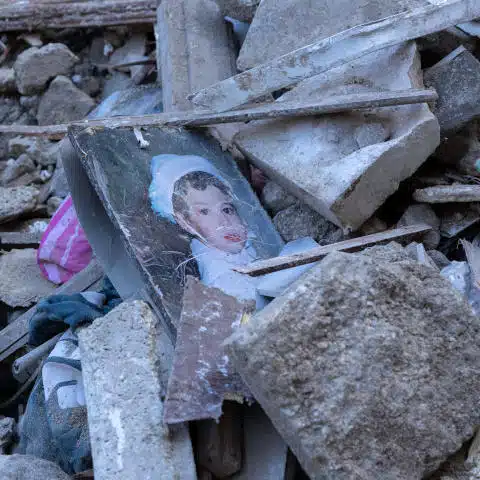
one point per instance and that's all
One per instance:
(228, 210)
(204, 211)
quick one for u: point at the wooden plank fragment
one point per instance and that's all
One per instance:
(20, 239)
(15, 335)
(448, 194)
(280, 263)
(333, 104)
(334, 51)
(18, 15)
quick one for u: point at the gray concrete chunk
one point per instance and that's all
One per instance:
(346, 165)
(121, 372)
(27, 467)
(63, 102)
(276, 30)
(374, 376)
(36, 66)
(21, 282)
(456, 79)
(194, 49)
(16, 201)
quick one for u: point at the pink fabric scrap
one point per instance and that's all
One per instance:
(64, 249)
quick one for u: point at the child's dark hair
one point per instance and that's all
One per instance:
(198, 181)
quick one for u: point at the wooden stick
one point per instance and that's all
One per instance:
(333, 52)
(32, 15)
(448, 194)
(288, 261)
(15, 335)
(334, 104)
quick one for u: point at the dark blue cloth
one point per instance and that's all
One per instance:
(57, 313)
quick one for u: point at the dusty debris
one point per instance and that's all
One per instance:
(16, 201)
(28, 467)
(422, 213)
(7, 433)
(275, 29)
(7, 81)
(275, 198)
(243, 10)
(347, 165)
(456, 78)
(342, 381)
(199, 349)
(36, 66)
(220, 445)
(299, 220)
(331, 52)
(21, 283)
(127, 445)
(63, 102)
(16, 168)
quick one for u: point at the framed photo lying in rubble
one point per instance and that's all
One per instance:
(181, 206)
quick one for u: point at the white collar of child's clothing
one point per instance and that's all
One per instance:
(203, 252)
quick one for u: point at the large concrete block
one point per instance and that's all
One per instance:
(372, 377)
(122, 374)
(194, 49)
(346, 165)
(457, 81)
(276, 30)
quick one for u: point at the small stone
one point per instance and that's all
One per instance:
(422, 213)
(275, 198)
(373, 225)
(36, 66)
(7, 81)
(7, 432)
(378, 375)
(27, 179)
(42, 151)
(59, 184)
(21, 283)
(19, 145)
(30, 103)
(63, 102)
(16, 201)
(16, 168)
(52, 205)
(300, 220)
(27, 467)
(441, 261)
(89, 85)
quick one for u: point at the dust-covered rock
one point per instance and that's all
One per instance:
(423, 213)
(7, 81)
(378, 377)
(275, 198)
(36, 66)
(21, 283)
(16, 201)
(299, 220)
(63, 102)
(16, 168)
(27, 467)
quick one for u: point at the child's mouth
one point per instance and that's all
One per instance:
(233, 237)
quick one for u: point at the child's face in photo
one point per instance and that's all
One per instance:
(214, 217)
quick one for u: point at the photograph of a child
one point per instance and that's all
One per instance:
(190, 192)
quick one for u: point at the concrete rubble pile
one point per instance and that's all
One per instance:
(362, 364)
